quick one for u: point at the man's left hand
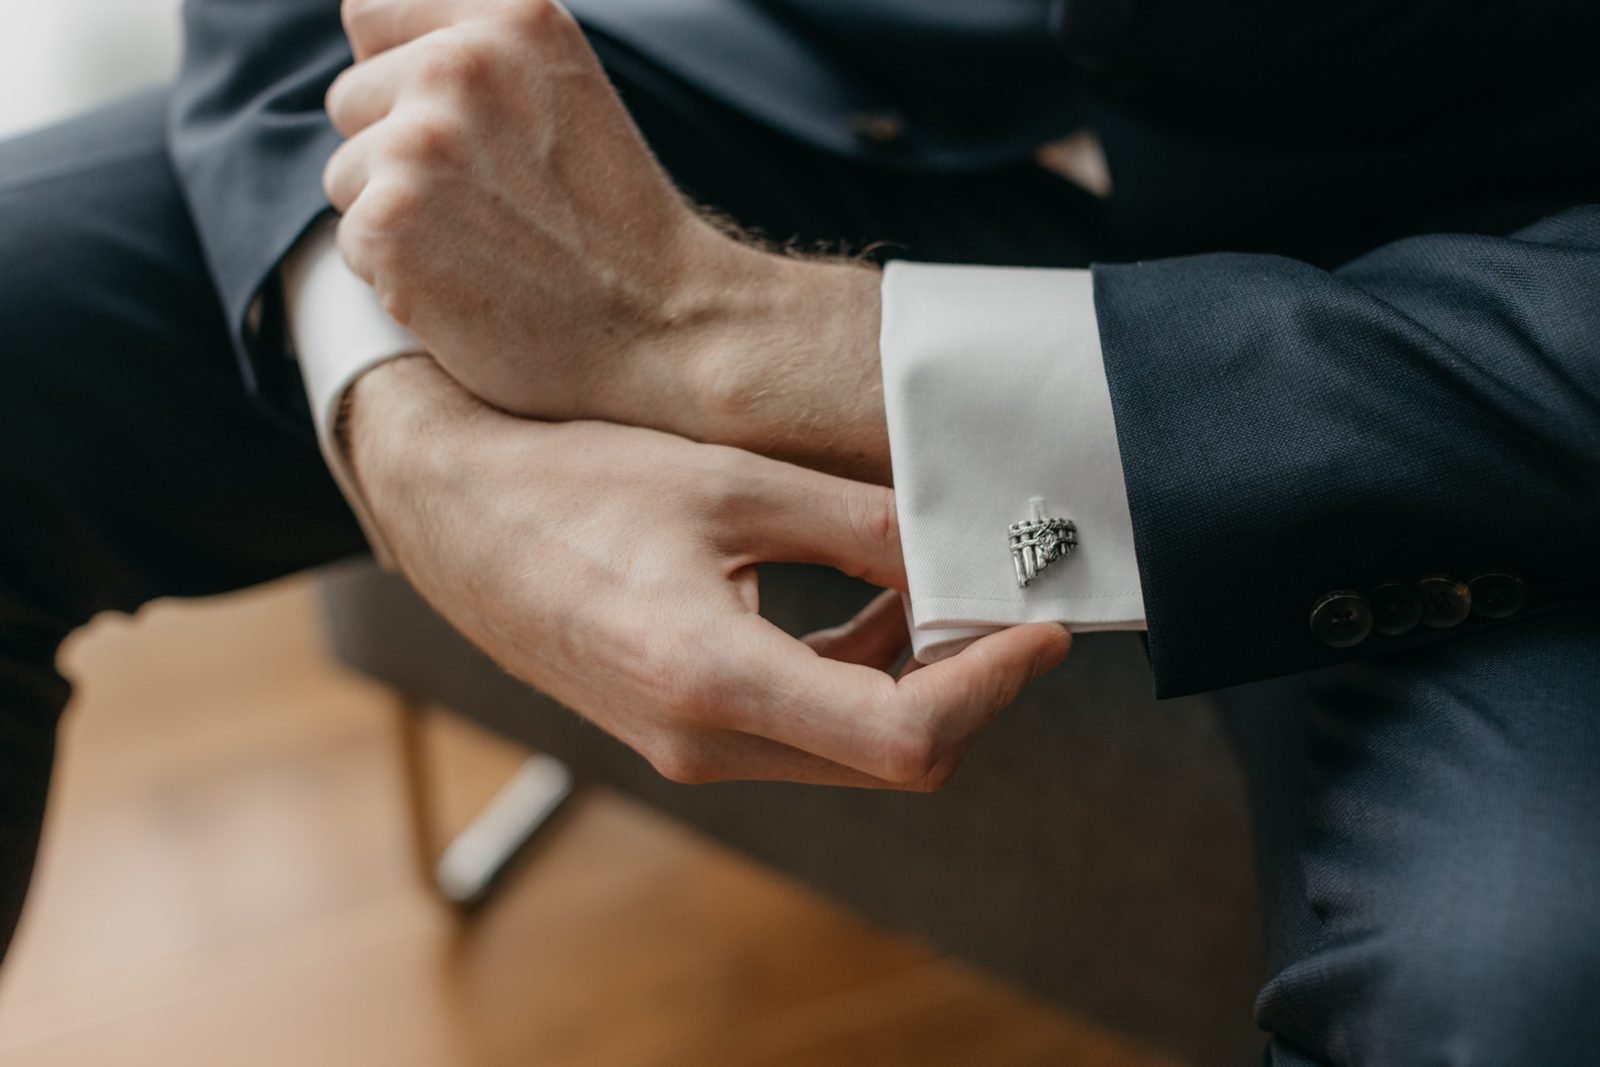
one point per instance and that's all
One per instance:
(506, 209)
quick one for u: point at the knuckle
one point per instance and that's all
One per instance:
(912, 754)
(680, 760)
(333, 100)
(374, 239)
(458, 64)
(331, 184)
(383, 212)
(936, 779)
(356, 16)
(539, 19)
(353, 248)
(397, 304)
(728, 486)
(430, 142)
(870, 511)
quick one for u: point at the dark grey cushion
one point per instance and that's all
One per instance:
(1092, 849)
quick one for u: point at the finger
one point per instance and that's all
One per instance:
(876, 637)
(911, 665)
(359, 238)
(376, 26)
(961, 694)
(349, 169)
(797, 515)
(910, 731)
(365, 93)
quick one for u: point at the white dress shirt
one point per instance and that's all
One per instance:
(339, 331)
(996, 396)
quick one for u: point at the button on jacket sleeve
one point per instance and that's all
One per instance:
(996, 395)
(1432, 408)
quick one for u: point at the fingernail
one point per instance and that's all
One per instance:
(1049, 660)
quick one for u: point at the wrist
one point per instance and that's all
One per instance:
(791, 367)
(392, 417)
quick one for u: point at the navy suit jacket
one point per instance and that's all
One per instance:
(1355, 330)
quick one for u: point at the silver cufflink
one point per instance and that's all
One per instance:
(1038, 542)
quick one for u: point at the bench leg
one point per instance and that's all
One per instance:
(466, 870)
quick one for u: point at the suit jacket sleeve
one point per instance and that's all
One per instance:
(249, 137)
(1433, 407)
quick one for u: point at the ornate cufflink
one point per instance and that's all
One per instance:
(1038, 542)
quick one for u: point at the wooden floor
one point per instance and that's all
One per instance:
(226, 881)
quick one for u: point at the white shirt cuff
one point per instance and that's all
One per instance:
(340, 331)
(995, 393)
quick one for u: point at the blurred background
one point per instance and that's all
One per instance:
(228, 879)
(59, 56)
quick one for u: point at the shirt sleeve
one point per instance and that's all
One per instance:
(996, 397)
(339, 331)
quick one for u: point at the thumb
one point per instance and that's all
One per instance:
(962, 693)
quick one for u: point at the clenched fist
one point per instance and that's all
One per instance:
(503, 204)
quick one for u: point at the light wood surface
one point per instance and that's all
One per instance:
(227, 881)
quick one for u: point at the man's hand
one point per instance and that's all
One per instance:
(505, 207)
(614, 569)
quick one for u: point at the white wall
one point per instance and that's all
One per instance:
(59, 56)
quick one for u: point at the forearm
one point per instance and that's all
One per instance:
(753, 386)
(800, 378)
(1288, 433)
(794, 374)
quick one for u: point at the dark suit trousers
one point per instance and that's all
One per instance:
(1426, 824)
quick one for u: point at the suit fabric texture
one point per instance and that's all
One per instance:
(1347, 284)
(1458, 314)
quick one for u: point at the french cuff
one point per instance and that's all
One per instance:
(996, 397)
(340, 331)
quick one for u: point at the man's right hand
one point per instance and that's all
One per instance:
(613, 568)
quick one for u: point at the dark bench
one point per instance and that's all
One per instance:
(1093, 849)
